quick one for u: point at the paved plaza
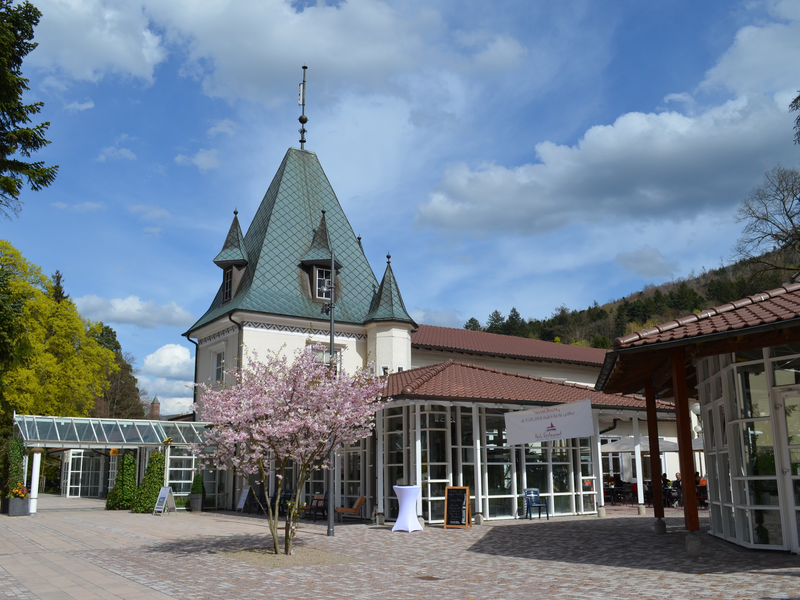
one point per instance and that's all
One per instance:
(75, 549)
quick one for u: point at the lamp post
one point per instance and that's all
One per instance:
(328, 308)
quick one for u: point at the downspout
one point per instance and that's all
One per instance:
(240, 341)
(614, 426)
(194, 387)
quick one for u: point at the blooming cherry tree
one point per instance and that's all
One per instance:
(279, 413)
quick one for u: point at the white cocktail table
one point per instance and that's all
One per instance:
(407, 516)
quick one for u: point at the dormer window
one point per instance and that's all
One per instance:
(227, 284)
(322, 278)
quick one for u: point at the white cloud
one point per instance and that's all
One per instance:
(440, 317)
(87, 39)
(647, 262)
(152, 231)
(762, 58)
(641, 166)
(150, 213)
(171, 361)
(115, 153)
(204, 160)
(82, 207)
(176, 397)
(132, 310)
(225, 126)
(79, 106)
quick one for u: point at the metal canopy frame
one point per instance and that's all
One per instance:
(91, 433)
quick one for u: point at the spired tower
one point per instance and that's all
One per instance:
(274, 283)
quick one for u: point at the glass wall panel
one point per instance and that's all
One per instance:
(754, 393)
(562, 504)
(767, 528)
(762, 492)
(536, 476)
(758, 454)
(561, 478)
(791, 405)
(786, 372)
(499, 479)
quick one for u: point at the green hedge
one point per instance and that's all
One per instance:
(146, 496)
(121, 495)
(15, 450)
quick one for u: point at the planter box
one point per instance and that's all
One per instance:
(18, 507)
(196, 501)
(3, 506)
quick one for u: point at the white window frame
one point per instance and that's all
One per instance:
(319, 277)
(227, 284)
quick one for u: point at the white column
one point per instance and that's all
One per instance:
(514, 478)
(637, 445)
(597, 458)
(337, 479)
(25, 471)
(418, 454)
(476, 449)
(379, 460)
(37, 464)
(167, 455)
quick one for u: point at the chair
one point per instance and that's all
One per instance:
(257, 502)
(318, 506)
(286, 497)
(354, 512)
(534, 500)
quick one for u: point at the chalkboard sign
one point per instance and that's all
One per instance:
(457, 509)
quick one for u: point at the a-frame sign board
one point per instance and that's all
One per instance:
(457, 507)
(165, 502)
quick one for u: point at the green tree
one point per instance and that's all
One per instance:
(473, 325)
(515, 324)
(121, 495)
(495, 322)
(144, 501)
(66, 369)
(18, 137)
(123, 398)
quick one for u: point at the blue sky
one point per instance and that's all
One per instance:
(525, 154)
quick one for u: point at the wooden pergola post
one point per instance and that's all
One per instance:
(691, 519)
(655, 454)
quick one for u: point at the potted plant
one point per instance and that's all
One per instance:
(18, 503)
(196, 495)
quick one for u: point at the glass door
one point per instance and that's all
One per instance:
(787, 408)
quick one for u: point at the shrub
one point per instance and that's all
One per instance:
(147, 495)
(121, 495)
(15, 449)
(197, 484)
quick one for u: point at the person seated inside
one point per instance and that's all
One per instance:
(665, 482)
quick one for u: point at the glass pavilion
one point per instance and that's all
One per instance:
(89, 468)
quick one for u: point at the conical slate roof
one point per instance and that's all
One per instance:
(320, 250)
(388, 303)
(281, 234)
(233, 250)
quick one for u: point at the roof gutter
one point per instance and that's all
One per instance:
(240, 341)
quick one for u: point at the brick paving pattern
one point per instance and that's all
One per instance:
(74, 549)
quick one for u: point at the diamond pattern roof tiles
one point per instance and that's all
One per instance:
(281, 234)
(388, 303)
(452, 380)
(233, 250)
(480, 342)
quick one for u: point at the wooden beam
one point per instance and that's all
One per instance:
(655, 455)
(746, 342)
(690, 517)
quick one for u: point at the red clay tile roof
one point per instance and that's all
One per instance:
(761, 309)
(451, 380)
(480, 342)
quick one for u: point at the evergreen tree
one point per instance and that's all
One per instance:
(121, 495)
(18, 139)
(495, 322)
(515, 324)
(473, 325)
(144, 501)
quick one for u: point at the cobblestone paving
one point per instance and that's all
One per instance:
(87, 554)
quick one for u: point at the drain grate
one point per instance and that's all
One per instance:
(429, 578)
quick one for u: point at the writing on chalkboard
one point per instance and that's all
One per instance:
(457, 508)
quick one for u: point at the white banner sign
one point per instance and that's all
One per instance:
(560, 422)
